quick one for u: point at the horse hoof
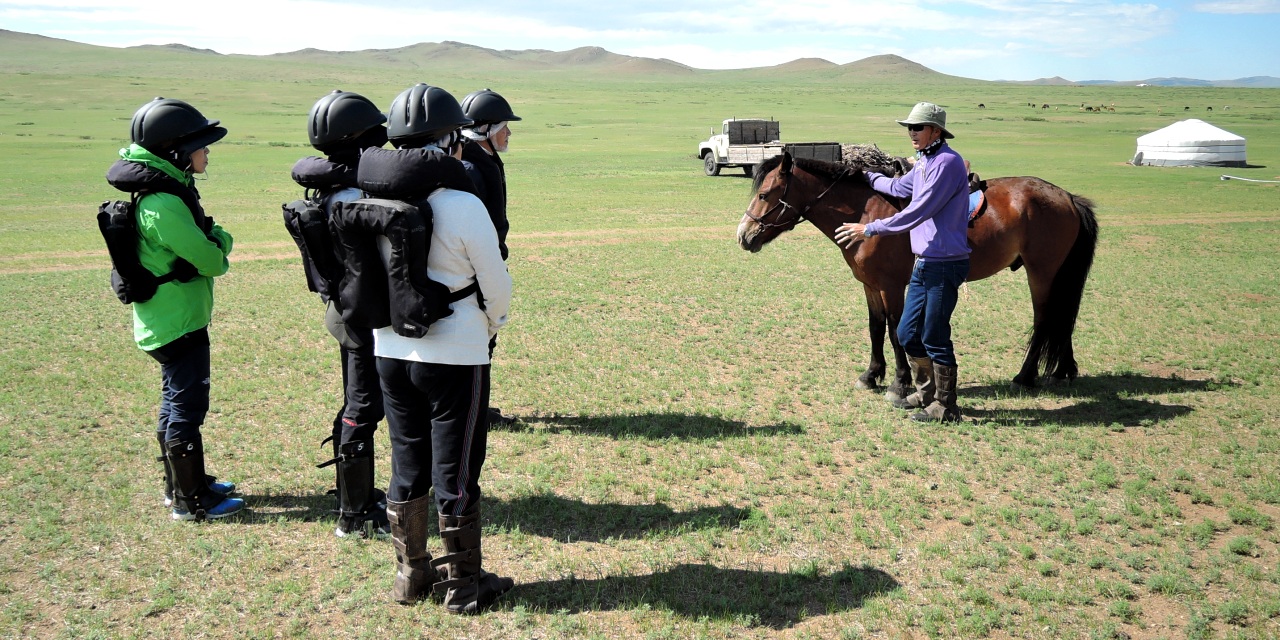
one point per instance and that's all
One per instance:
(1018, 385)
(892, 396)
(861, 384)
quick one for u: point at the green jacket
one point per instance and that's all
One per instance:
(167, 231)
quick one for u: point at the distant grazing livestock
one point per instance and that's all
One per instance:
(1186, 108)
(1044, 106)
(1209, 108)
(1088, 109)
(982, 106)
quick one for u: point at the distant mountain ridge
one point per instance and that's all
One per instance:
(881, 67)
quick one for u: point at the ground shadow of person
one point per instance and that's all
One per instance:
(1109, 399)
(566, 520)
(264, 509)
(695, 591)
(651, 425)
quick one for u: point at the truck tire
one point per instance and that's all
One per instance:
(748, 169)
(709, 164)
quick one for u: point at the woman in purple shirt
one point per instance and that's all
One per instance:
(937, 219)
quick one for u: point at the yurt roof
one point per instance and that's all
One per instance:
(1190, 133)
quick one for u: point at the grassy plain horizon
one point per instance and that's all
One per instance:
(692, 459)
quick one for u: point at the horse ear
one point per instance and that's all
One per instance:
(786, 163)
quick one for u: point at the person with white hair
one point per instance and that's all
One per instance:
(486, 138)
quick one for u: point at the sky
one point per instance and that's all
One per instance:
(985, 39)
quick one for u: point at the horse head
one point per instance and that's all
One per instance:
(769, 214)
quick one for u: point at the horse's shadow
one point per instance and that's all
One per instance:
(658, 426)
(1101, 399)
(566, 520)
(694, 591)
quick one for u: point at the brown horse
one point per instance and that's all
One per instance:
(1027, 223)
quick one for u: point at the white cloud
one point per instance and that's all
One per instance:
(1239, 6)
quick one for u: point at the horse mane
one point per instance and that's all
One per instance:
(829, 170)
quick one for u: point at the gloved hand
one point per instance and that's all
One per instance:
(220, 237)
(184, 271)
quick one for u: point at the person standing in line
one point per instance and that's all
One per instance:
(937, 219)
(342, 125)
(436, 387)
(169, 145)
(486, 138)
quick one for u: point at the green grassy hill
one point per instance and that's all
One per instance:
(692, 458)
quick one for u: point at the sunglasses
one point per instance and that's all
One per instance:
(916, 127)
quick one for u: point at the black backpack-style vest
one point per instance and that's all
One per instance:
(118, 223)
(397, 292)
(307, 222)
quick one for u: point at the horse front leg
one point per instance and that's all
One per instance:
(902, 384)
(870, 379)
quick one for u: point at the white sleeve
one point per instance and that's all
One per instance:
(481, 241)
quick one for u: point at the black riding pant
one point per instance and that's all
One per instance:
(438, 420)
(184, 385)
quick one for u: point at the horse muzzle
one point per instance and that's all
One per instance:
(749, 234)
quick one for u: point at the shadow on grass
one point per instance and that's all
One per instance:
(1103, 399)
(651, 425)
(566, 520)
(272, 508)
(752, 598)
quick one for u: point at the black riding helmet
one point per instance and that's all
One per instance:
(173, 128)
(338, 120)
(423, 114)
(486, 106)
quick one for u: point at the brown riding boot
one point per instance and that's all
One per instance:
(944, 407)
(922, 372)
(415, 574)
(469, 587)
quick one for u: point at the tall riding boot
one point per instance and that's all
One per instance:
(359, 509)
(224, 488)
(193, 499)
(469, 587)
(415, 573)
(922, 372)
(944, 407)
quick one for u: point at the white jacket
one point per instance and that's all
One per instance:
(464, 248)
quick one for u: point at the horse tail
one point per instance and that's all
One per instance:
(1051, 339)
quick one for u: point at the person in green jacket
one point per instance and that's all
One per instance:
(170, 141)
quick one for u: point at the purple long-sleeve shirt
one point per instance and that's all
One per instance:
(938, 215)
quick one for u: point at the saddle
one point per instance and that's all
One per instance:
(977, 198)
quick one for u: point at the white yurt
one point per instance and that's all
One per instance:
(1190, 143)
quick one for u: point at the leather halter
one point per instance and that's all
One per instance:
(782, 202)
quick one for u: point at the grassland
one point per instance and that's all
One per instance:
(692, 460)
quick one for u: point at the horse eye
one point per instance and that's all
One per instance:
(761, 196)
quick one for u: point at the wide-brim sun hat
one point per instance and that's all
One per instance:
(928, 113)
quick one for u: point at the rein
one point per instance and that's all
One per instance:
(782, 202)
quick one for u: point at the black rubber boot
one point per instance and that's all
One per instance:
(224, 488)
(469, 588)
(360, 508)
(193, 499)
(415, 573)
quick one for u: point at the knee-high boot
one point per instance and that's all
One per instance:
(922, 372)
(944, 407)
(360, 507)
(224, 488)
(415, 572)
(470, 588)
(193, 498)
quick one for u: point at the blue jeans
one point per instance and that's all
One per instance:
(925, 328)
(184, 385)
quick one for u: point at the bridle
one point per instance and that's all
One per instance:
(801, 213)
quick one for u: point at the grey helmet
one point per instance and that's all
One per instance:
(173, 128)
(423, 113)
(486, 106)
(339, 119)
